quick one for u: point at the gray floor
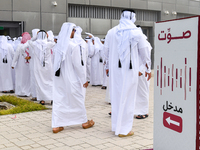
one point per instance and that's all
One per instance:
(33, 131)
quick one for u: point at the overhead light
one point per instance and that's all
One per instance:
(174, 13)
(166, 12)
(54, 3)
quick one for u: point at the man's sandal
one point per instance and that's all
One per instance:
(142, 116)
(104, 87)
(90, 123)
(42, 102)
(58, 129)
(129, 134)
(34, 99)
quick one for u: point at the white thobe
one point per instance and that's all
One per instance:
(142, 98)
(123, 81)
(43, 74)
(6, 80)
(15, 45)
(96, 75)
(32, 74)
(22, 73)
(90, 54)
(11, 42)
(88, 67)
(107, 98)
(68, 91)
(105, 77)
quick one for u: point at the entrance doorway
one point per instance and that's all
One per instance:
(11, 28)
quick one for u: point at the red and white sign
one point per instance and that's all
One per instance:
(177, 84)
(172, 122)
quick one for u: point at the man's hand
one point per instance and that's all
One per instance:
(85, 85)
(140, 73)
(149, 75)
(107, 70)
(28, 57)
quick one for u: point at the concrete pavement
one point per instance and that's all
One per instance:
(32, 130)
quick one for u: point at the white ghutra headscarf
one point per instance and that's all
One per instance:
(41, 44)
(78, 38)
(50, 36)
(61, 47)
(127, 33)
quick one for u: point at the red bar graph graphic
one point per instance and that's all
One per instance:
(172, 77)
(178, 77)
(185, 79)
(161, 76)
(164, 76)
(168, 76)
(190, 79)
(157, 75)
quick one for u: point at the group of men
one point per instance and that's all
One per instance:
(60, 71)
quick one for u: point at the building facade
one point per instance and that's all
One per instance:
(94, 16)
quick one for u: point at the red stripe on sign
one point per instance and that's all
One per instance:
(168, 77)
(185, 83)
(180, 82)
(180, 78)
(172, 77)
(157, 75)
(190, 76)
(197, 90)
(161, 73)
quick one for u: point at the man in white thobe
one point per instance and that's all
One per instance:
(96, 74)
(41, 51)
(142, 98)
(123, 45)
(31, 61)
(88, 66)
(22, 72)
(15, 44)
(6, 56)
(11, 42)
(105, 77)
(69, 81)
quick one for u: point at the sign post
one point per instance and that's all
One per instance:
(177, 85)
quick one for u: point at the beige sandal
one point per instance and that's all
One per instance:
(58, 129)
(129, 134)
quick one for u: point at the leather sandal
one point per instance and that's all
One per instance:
(42, 102)
(90, 123)
(129, 134)
(142, 116)
(58, 129)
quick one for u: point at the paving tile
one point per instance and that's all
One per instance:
(26, 147)
(33, 130)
